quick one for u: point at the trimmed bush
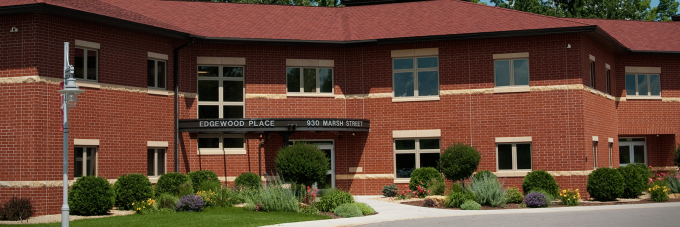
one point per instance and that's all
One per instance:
(170, 182)
(536, 200)
(365, 208)
(488, 190)
(190, 203)
(635, 180)
(302, 163)
(199, 177)
(16, 209)
(484, 173)
(512, 195)
(455, 199)
(348, 210)
(91, 195)
(459, 161)
(470, 205)
(167, 201)
(248, 180)
(539, 179)
(335, 198)
(390, 190)
(424, 176)
(605, 184)
(132, 188)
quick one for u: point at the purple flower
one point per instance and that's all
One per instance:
(190, 203)
(535, 199)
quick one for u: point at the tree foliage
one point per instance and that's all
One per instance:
(326, 3)
(604, 9)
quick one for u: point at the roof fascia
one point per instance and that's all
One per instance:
(227, 40)
(44, 8)
(653, 52)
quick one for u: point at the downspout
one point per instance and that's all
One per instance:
(175, 77)
(259, 153)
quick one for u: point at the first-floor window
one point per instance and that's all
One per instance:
(410, 154)
(220, 143)
(85, 161)
(594, 155)
(514, 156)
(155, 161)
(608, 88)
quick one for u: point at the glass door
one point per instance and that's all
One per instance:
(328, 148)
(632, 150)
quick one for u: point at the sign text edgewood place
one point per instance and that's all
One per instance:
(260, 123)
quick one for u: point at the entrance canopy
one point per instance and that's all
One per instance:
(241, 125)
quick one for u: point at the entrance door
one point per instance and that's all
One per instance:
(632, 150)
(328, 148)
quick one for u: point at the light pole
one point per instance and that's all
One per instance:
(69, 99)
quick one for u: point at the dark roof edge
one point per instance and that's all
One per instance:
(653, 52)
(279, 41)
(44, 8)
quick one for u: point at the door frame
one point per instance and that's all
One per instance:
(630, 144)
(331, 147)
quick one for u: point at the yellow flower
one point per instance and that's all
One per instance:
(137, 208)
(577, 189)
(564, 191)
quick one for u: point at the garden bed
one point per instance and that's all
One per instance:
(419, 202)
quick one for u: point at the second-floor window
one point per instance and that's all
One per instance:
(643, 85)
(156, 73)
(220, 92)
(86, 63)
(416, 76)
(511, 72)
(309, 80)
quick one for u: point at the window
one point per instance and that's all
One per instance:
(156, 73)
(514, 156)
(511, 72)
(217, 144)
(608, 81)
(592, 74)
(416, 76)
(643, 85)
(220, 92)
(86, 63)
(85, 161)
(594, 154)
(611, 144)
(155, 161)
(309, 80)
(632, 150)
(411, 154)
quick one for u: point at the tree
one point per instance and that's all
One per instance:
(302, 163)
(459, 161)
(326, 3)
(604, 9)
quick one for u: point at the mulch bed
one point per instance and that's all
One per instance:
(555, 204)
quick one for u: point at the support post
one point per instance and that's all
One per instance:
(64, 103)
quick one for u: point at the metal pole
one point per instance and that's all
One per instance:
(64, 207)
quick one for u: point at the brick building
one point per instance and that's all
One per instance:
(382, 88)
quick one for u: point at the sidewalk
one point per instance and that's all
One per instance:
(393, 212)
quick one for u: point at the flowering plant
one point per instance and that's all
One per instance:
(420, 191)
(190, 203)
(310, 196)
(209, 198)
(145, 207)
(659, 193)
(536, 199)
(570, 197)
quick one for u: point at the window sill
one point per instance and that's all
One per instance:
(643, 97)
(153, 179)
(321, 95)
(220, 151)
(518, 173)
(88, 84)
(511, 89)
(158, 91)
(402, 181)
(415, 99)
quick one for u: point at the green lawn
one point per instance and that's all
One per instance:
(230, 216)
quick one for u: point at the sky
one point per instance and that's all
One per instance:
(653, 4)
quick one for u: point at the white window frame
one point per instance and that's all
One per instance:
(318, 83)
(94, 159)
(514, 157)
(155, 161)
(595, 154)
(415, 71)
(417, 151)
(156, 74)
(96, 74)
(221, 150)
(649, 87)
(512, 73)
(629, 142)
(221, 103)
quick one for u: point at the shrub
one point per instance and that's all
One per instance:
(275, 197)
(536, 200)
(570, 197)
(659, 193)
(309, 210)
(199, 177)
(226, 197)
(437, 187)
(605, 184)
(459, 161)
(390, 190)
(365, 208)
(132, 188)
(674, 183)
(420, 191)
(329, 202)
(145, 207)
(209, 198)
(185, 188)
(190, 203)
(170, 182)
(302, 163)
(484, 173)
(167, 201)
(429, 203)
(634, 179)
(456, 199)
(539, 179)
(512, 195)
(348, 210)
(423, 176)
(16, 209)
(214, 186)
(248, 180)
(91, 195)
(470, 205)
(457, 187)
(488, 190)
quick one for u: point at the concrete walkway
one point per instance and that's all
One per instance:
(393, 212)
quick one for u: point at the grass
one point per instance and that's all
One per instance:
(229, 216)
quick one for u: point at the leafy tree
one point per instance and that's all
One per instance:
(604, 9)
(459, 161)
(302, 163)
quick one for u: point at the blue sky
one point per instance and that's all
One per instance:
(653, 4)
